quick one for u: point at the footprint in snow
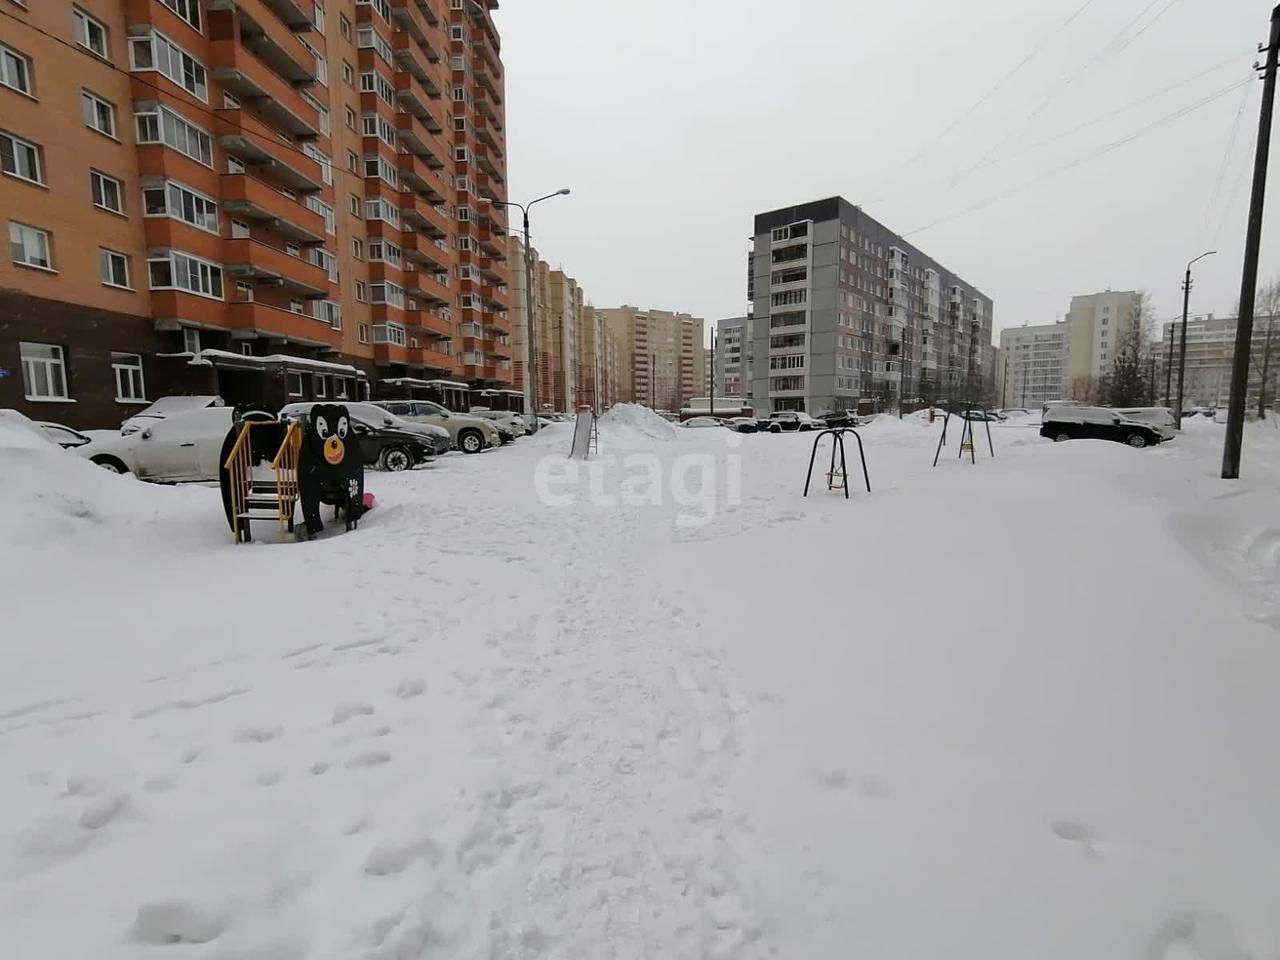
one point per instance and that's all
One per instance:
(258, 734)
(370, 758)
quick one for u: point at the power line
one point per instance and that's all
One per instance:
(1114, 145)
(1226, 159)
(1245, 169)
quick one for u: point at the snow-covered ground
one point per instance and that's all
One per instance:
(667, 709)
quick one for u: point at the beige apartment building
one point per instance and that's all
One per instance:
(1032, 365)
(262, 199)
(663, 353)
(1097, 323)
(1211, 350)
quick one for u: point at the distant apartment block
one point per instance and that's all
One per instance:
(1098, 324)
(1034, 361)
(849, 314)
(733, 357)
(663, 353)
(1211, 350)
(264, 199)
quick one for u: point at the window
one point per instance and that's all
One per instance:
(353, 204)
(108, 193)
(188, 10)
(230, 101)
(457, 33)
(295, 306)
(381, 209)
(362, 332)
(353, 161)
(357, 248)
(181, 271)
(317, 16)
(181, 203)
(340, 388)
(367, 36)
(344, 27)
(348, 74)
(30, 247)
(44, 371)
(383, 169)
(113, 267)
(89, 33)
(387, 292)
(235, 165)
(165, 126)
(360, 291)
(373, 82)
(15, 70)
(246, 348)
(322, 386)
(295, 384)
(155, 51)
(20, 159)
(376, 125)
(385, 252)
(461, 154)
(190, 340)
(244, 291)
(349, 116)
(128, 370)
(383, 8)
(389, 333)
(240, 230)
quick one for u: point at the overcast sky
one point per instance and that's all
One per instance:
(675, 121)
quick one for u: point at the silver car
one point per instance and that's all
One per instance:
(470, 434)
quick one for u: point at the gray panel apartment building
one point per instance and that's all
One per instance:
(848, 313)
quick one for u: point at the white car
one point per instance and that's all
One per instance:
(181, 447)
(166, 407)
(693, 423)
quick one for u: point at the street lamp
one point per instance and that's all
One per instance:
(1182, 339)
(531, 368)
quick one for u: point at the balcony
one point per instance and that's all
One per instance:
(415, 210)
(243, 134)
(268, 321)
(426, 286)
(430, 322)
(488, 162)
(409, 17)
(415, 135)
(436, 360)
(423, 249)
(249, 78)
(250, 198)
(415, 174)
(260, 31)
(250, 258)
(493, 242)
(415, 97)
(386, 353)
(410, 56)
(475, 371)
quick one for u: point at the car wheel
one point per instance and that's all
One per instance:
(395, 459)
(1136, 440)
(470, 441)
(111, 463)
(775, 429)
(1061, 437)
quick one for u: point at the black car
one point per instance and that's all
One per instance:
(1096, 423)
(841, 418)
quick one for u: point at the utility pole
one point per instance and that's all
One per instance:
(1182, 339)
(1168, 368)
(1249, 275)
(713, 372)
(1004, 386)
(1266, 363)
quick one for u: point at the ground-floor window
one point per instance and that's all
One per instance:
(44, 371)
(295, 384)
(127, 368)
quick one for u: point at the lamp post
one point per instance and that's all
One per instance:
(1182, 339)
(530, 363)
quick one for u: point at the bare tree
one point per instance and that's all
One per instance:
(1268, 306)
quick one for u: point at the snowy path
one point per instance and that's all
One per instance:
(930, 722)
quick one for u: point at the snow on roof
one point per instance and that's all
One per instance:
(281, 358)
(416, 382)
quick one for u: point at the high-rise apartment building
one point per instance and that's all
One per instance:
(663, 355)
(1098, 323)
(733, 357)
(847, 313)
(262, 199)
(1034, 362)
(1211, 350)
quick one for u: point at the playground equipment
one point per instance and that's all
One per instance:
(837, 479)
(311, 463)
(585, 438)
(966, 434)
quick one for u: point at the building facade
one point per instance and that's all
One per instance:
(1034, 361)
(264, 199)
(733, 357)
(1211, 350)
(662, 353)
(848, 314)
(1098, 323)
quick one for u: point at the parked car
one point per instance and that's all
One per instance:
(695, 423)
(63, 436)
(166, 407)
(1015, 411)
(510, 425)
(840, 418)
(178, 447)
(991, 416)
(743, 424)
(385, 440)
(781, 420)
(1097, 423)
(1159, 417)
(469, 433)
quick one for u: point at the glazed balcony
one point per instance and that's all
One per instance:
(249, 198)
(243, 134)
(415, 210)
(249, 78)
(246, 258)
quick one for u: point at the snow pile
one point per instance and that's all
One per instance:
(630, 421)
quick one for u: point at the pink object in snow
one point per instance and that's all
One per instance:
(369, 501)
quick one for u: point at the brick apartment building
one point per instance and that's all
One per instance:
(262, 199)
(662, 354)
(848, 314)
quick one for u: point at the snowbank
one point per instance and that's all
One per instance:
(629, 422)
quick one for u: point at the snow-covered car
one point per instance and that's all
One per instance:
(180, 447)
(1159, 417)
(743, 424)
(63, 435)
(1097, 423)
(388, 441)
(166, 407)
(781, 420)
(840, 418)
(510, 425)
(1015, 412)
(469, 433)
(991, 416)
(695, 423)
